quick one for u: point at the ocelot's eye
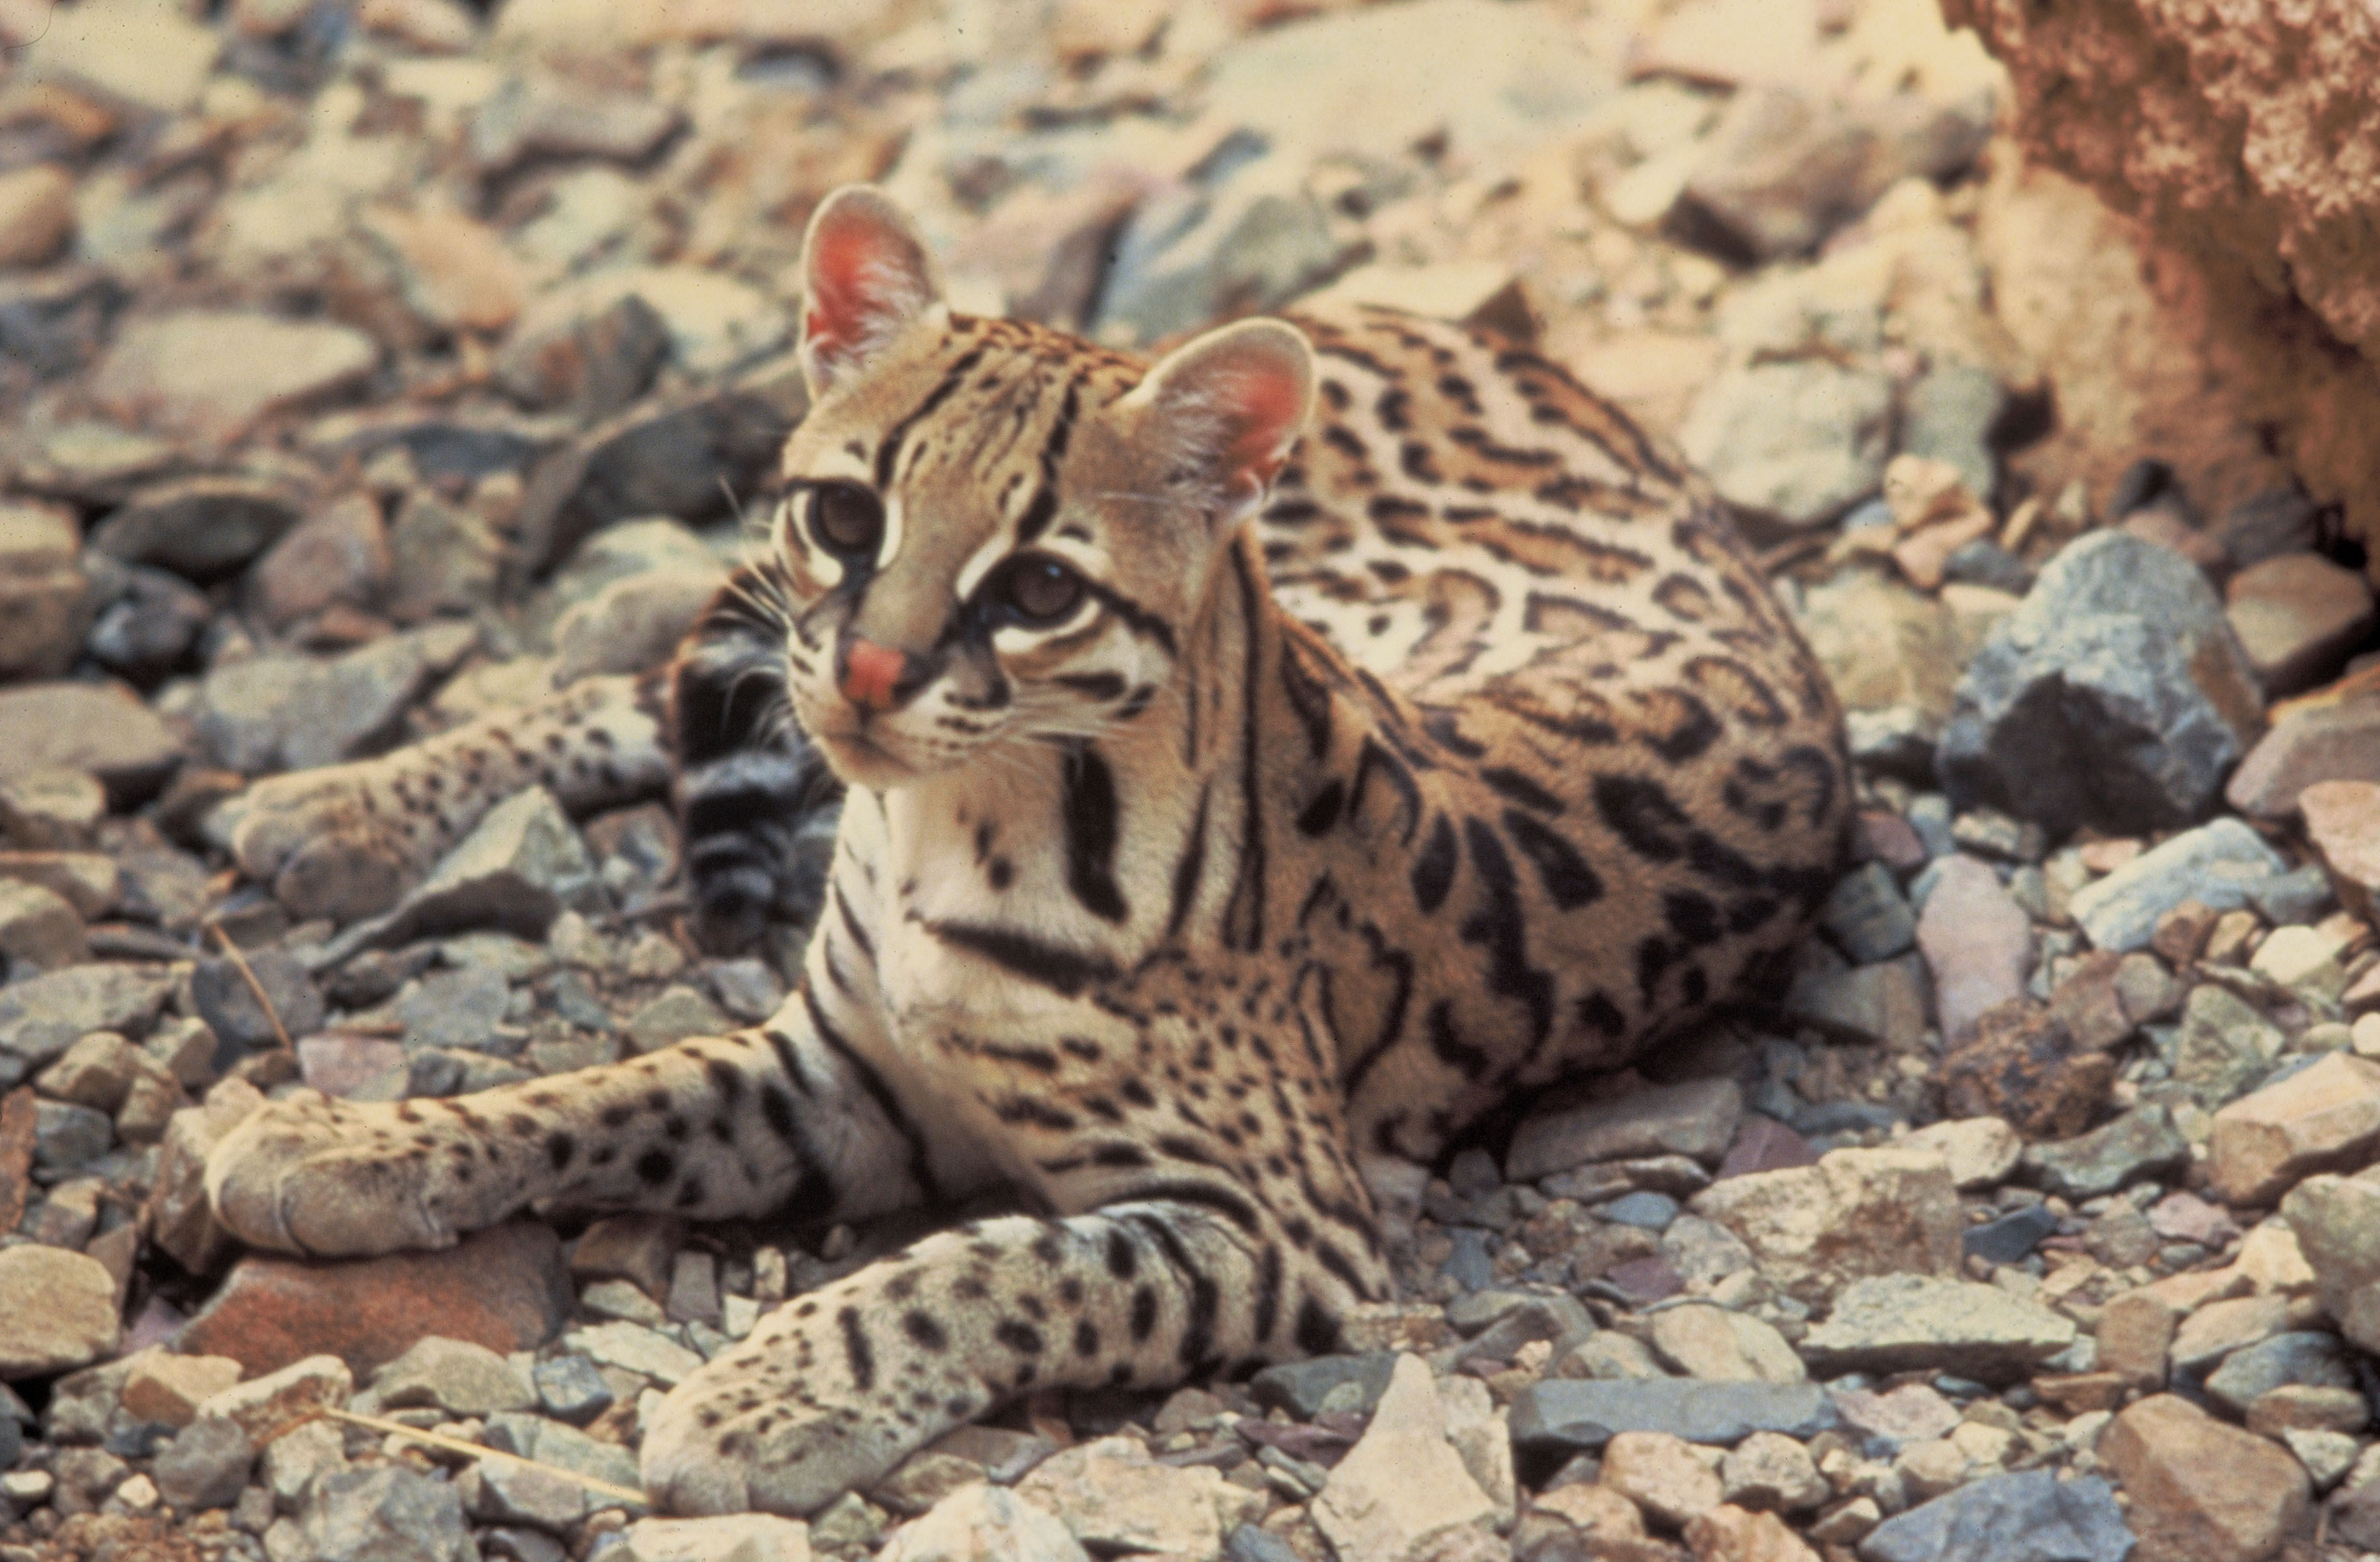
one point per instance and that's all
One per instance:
(1040, 590)
(847, 520)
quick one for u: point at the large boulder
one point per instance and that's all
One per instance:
(2115, 695)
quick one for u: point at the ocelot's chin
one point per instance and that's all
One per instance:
(858, 760)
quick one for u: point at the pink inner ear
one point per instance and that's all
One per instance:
(1264, 404)
(840, 305)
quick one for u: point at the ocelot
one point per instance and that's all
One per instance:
(1257, 767)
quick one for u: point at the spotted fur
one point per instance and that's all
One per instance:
(1419, 734)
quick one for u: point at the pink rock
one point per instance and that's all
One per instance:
(1976, 941)
(2297, 617)
(2186, 1217)
(2339, 742)
(356, 1067)
(1912, 1413)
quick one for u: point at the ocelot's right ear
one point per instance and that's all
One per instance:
(866, 275)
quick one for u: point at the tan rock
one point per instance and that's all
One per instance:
(169, 1389)
(2306, 1407)
(1980, 1152)
(1403, 1481)
(216, 372)
(2296, 616)
(456, 273)
(2135, 1332)
(2343, 821)
(2270, 1259)
(268, 1405)
(1703, 1341)
(980, 1522)
(2321, 1118)
(1730, 1535)
(36, 213)
(1594, 1510)
(2203, 1491)
(58, 1310)
(44, 606)
(1857, 1212)
(2219, 1328)
(1664, 1475)
(39, 928)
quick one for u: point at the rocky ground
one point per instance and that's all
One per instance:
(364, 366)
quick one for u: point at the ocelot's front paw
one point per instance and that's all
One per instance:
(341, 842)
(769, 1426)
(310, 1175)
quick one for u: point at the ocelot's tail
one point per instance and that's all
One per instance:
(756, 805)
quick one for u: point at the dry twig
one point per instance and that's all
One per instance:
(248, 973)
(456, 1445)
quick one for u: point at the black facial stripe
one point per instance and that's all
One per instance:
(1043, 509)
(890, 451)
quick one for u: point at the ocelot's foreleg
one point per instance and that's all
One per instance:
(836, 1387)
(777, 1118)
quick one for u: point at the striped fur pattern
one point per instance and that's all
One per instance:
(1414, 732)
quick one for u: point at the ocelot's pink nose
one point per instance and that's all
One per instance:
(876, 678)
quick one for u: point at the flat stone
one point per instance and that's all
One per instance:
(2342, 821)
(2219, 1328)
(2297, 617)
(1403, 1481)
(39, 929)
(550, 1442)
(453, 272)
(1856, 1213)
(641, 1249)
(286, 712)
(503, 1287)
(2202, 1491)
(978, 1523)
(1300, 1388)
(2115, 695)
(1576, 1414)
(1112, 1496)
(201, 528)
(206, 1465)
(2323, 1117)
(2337, 742)
(2308, 1408)
(1662, 1474)
(337, 556)
(1915, 1413)
(2222, 1046)
(1897, 1322)
(103, 729)
(1977, 942)
(1697, 1118)
(2217, 865)
(58, 1310)
(1980, 1152)
(2142, 1142)
(738, 1537)
(2296, 1358)
(1715, 1344)
(516, 871)
(216, 372)
(2029, 1517)
(2009, 1237)
(453, 1375)
(633, 1348)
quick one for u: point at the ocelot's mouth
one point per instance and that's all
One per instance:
(861, 760)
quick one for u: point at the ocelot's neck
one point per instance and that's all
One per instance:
(1142, 833)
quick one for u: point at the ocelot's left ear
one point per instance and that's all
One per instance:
(1229, 406)
(866, 274)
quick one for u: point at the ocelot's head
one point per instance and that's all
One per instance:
(995, 533)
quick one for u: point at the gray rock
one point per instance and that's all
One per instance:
(2222, 1047)
(543, 117)
(1189, 253)
(1947, 415)
(2142, 1142)
(2297, 896)
(500, 1492)
(454, 1009)
(2217, 864)
(1697, 1118)
(1899, 1323)
(2304, 1357)
(201, 528)
(150, 627)
(1882, 1005)
(1570, 1415)
(1798, 441)
(441, 560)
(594, 365)
(1653, 1212)
(41, 1018)
(1300, 1388)
(66, 1136)
(684, 458)
(516, 871)
(2010, 1237)
(206, 1465)
(454, 1375)
(229, 1004)
(388, 1513)
(2114, 695)
(1868, 916)
(2031, 1517)
(1786, 168)
(550, 1442)
(280, 712)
